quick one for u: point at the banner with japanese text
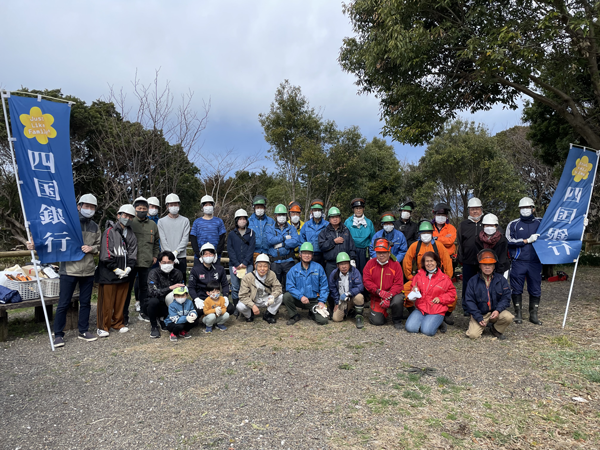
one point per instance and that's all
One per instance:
(40, 131)
(562, 227)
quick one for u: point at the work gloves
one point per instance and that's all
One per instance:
(199, 303)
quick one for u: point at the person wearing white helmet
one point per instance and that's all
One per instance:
(174, 232)
(241, 243)
(118, 255)
(468, 230)
(207, 228)
(260, 289)
(491, 237)
(521, 233)
(153, 209)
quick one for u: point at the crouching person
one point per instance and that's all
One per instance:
(345, 289)
(215, 310)
(307, 288)
(487, 298)
(259, 289)
(182, 314)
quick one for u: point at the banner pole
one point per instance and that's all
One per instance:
(35, 262)
(582, 233)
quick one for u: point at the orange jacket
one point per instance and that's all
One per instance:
(407, 262)
(447, 236)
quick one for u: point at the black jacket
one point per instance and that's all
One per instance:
(466, 236)
(200, 276)
(410, 230)
(330, 249)
(159, 282)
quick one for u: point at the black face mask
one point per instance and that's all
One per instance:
(141, 214)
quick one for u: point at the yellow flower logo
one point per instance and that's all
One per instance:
(582, 169)
(38, 125)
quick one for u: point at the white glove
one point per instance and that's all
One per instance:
(278, 246)
(270, 300)
(506, 274)
(531, 239)
(353, 263)
(174, 319)
(119, 272)
(176, 261)
(190, 318)
(414, 295)
(288, 237)
(321, 309)
(226, 301)
(218, 311)
(127, 271)
(586, 222)
(193, 314)
(199, 303)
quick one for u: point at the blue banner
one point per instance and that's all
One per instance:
(562, 227)
(42, 147)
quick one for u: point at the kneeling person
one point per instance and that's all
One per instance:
(345, 289)
(307, 287)
(215, 310)
(182, 314)
(259, 289)
(162, 281)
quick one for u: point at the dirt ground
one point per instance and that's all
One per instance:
(306, 386)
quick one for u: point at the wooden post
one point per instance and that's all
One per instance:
(39, 313)
(72, 314)
(3, 325)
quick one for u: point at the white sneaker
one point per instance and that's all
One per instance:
(137, 306)
(102, 333)
(123, 330)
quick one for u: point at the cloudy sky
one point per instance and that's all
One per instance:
(233, 53)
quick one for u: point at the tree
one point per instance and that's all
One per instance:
(428, 59)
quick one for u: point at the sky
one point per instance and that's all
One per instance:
(231, 53)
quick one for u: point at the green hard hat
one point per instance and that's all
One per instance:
(307, 247)
(333, 211)
(259, 200)
(280, 209)
(387, 217)
(180, 291)
(342, 257)
(425, 226)
(407, 206)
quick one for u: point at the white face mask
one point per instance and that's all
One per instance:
(426, 238)
(180, 300)
(440, 220)
(295, 219)
(317, 214)
(281, 219)
(166, 268)
(208, 210)
(259, 212)
(431, 271)
(388, 228)
(208, 259)
(87, 213)
(153, 212)
(215, 295)
(383, 263)
(174, 210)
(489, 230)
(526, 212)
(405, 215)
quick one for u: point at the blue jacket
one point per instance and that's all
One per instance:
(154, 218)
(519, 230)
(259, 225)
(178, 313)
(362, 236)
(310, 283)
(310, 233)
(480, 300)
(276, 236)
(241, 251)
(396, 238)
(354, 283)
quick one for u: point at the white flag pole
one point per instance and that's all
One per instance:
(6, 94)
(582, 233)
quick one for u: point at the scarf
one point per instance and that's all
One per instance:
(489, 241)
(344, 283)
(358, 221)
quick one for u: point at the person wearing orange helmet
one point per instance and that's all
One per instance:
(295, 211)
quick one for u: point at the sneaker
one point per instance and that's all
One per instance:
(59, 341)
(138, 308)
(163, 325)
(144, 317)
(87, 336)
(154, 333)
(173, 338)
(221, 327)
(292, 320)
(123, 330)
(208, 329)
(185, 334)
(102, 333)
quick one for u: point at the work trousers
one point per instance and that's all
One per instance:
(292, 304)
(111, 298)
(67, 287)
(260, 303)
(361, 259)
(281, 269)
(500, 324)
(526, 270)
(397, 307)
(345, 307)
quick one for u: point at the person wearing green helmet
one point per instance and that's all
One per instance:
(336, 238)
(311, 229)
(345, 289)
(282, 239)
(362, 231)
(393, 236)
(307, 288)
(409, 229)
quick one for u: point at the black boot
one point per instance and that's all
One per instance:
(518, 302)
(359, 316)
(397, 315)
(448, 318)
(534, 304)
(251, 318)
(269, 318)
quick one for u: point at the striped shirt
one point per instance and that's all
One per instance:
(208, 230)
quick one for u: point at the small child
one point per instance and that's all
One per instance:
(215, 310)
(182, 314)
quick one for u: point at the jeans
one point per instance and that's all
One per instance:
(235, 284)
(427, 323)
(142, 273)
(67, 287)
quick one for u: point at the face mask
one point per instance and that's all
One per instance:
(215, 295)
(405, 215)
(475, 218)
(426, 238)
(180, 300)
(388, 228)
(174, 210)
(208, 210)
(281, 219)
(259, 212)
(440, 219)
(153, 212)
(242, 224)
(87, 213)
(124, 221)
(489, 230)
(295, 219)
(431, 271)
(166, 268)
(317, 214)
(208, 259)
(526, 212)
(383, 263)
(141, 214)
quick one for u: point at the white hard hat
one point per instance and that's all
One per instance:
(88, 198)
(172, 198)
(263, 258)
(240, 213)
(526, 202)
(474, 203)
(208, 246)
(154, 201)
(490, 219)
(140, 200)
(206, 199)
(127, 209)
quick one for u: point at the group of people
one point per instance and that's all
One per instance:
(330, 267)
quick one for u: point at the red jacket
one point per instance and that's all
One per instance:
(386, 278)
(439, 286)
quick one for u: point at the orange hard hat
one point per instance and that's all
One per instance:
(294, 207)
(487, 256)
(382, 245)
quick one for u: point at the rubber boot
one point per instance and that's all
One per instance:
(534, 304)
(518, 302)
(397, 319)
(359, 316)
(448, 318)
(269, 318)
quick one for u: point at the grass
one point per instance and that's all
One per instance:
(584, 362)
